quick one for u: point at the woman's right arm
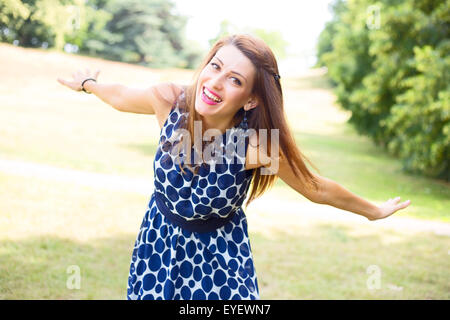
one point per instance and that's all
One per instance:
(124, 98)
(156, 99)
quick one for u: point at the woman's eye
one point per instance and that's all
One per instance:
(217, 67)
(236, 80)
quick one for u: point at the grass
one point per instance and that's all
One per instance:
(327, 262)
(54, 225)
(361, 167)
(38, 268)
(47, 226)
(76, 225)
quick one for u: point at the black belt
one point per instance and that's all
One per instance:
(197, 225)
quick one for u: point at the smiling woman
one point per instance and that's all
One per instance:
(241, 71)
(193, 241)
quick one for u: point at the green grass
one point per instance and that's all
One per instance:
(361, 167)
(56, 225)
(329, 263)
(47, 226)
(38, 268)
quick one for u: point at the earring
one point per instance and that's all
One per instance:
(244, 122)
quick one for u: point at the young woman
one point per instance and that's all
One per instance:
(193, 242)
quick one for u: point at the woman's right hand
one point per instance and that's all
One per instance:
(78, 78)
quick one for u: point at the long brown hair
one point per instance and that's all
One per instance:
(270, 112)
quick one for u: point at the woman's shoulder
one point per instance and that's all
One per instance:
(257, 154)
(166, 95)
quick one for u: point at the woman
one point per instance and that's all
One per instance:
(193, 241)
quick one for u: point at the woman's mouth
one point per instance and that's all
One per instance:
(209, 97)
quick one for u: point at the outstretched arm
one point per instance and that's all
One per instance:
(337, 196)
(155, 99)
(333, 194)
(112, 94)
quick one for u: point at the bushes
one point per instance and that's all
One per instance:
(394, 77)
(145, 32)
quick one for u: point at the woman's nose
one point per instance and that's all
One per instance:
(216, 81)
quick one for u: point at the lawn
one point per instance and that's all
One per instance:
(46, 226)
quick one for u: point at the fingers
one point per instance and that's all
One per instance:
(65, 82)
(404, 204)
(395, 200)
(78, 76)
(86, 73)
(401, 205)
(69, 84)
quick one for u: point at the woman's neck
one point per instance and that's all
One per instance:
(215, 123)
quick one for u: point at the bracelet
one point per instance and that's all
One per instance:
(82, 84)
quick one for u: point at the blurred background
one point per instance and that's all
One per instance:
(367, 95)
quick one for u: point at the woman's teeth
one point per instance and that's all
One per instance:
(210, 95)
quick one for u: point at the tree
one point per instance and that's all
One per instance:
(394, 77)
(274, 39)
(147, 32)
(35, 23)
(226, 28)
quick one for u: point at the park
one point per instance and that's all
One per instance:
(76, 177)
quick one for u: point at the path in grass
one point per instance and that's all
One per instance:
(290, 210)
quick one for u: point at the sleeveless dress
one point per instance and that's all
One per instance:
(169, 260)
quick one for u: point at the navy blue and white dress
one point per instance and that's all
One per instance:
(193, 242)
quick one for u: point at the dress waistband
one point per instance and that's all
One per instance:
(197, 225)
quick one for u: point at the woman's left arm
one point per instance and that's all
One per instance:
(337, 196)
(332, 193)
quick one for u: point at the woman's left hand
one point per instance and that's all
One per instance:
(391, 206)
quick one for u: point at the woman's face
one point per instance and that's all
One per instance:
(225, 84)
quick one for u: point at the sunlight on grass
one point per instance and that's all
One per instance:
(295, 257)
(65, 210)
(330, 262)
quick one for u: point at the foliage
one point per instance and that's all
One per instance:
(325, 43)
(393, 75)
(147, 32)
(274, 39)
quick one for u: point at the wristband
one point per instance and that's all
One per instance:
(82, 84)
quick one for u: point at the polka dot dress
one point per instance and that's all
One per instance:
(171, 262)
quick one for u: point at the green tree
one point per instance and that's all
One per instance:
(325, 41)
(226, 28)
(393, 76)
(146, 32)
(274, 39)
(33, 23)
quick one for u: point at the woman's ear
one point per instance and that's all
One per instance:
(252, 103)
